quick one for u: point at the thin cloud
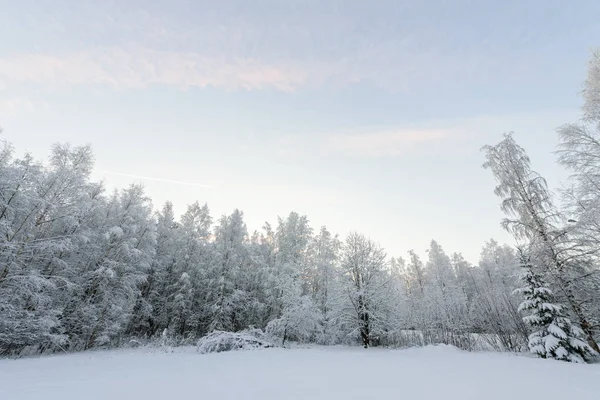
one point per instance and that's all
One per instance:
(385, 143)
(284, 46)
(148, 178)
(140, 68)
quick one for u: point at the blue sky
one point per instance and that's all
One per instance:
(366, 116)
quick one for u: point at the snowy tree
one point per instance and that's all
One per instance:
(194, 255)
(299, 317)
(413, 274)
(579, 151)
(367, 285)
(555, 336)
(43, 216)
(446, 300)
(152, 315)
(591, 91)
(526, 198)
(325, 285)
(294, 313)
(229, 298)
(495, 308)
(401, 304)
(26, 316)
(113, 269)
(261, 278)
(181, 302)
(416, 273)
(498, 265)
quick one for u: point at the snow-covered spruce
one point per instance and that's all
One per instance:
(556, 337)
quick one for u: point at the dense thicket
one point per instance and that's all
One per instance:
(81, 268)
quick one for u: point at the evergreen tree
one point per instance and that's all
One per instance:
(556, 337)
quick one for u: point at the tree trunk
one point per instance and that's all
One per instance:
(364, 323)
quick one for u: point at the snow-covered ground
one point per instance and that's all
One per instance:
(439, 372)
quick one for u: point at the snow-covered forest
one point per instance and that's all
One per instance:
(81, 268)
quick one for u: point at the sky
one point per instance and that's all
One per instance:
(365, 116)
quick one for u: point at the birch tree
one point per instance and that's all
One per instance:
(532, 218)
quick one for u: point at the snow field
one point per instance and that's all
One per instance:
(434, 372)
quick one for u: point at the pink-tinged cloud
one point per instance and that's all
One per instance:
(140, 68)
(385, 143)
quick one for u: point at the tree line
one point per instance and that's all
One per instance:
(81, 268)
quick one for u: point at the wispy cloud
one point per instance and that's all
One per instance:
(148, 178)
(285, 45)
(140, 67)
(248, 52)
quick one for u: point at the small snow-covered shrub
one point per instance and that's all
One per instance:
(219, 341)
